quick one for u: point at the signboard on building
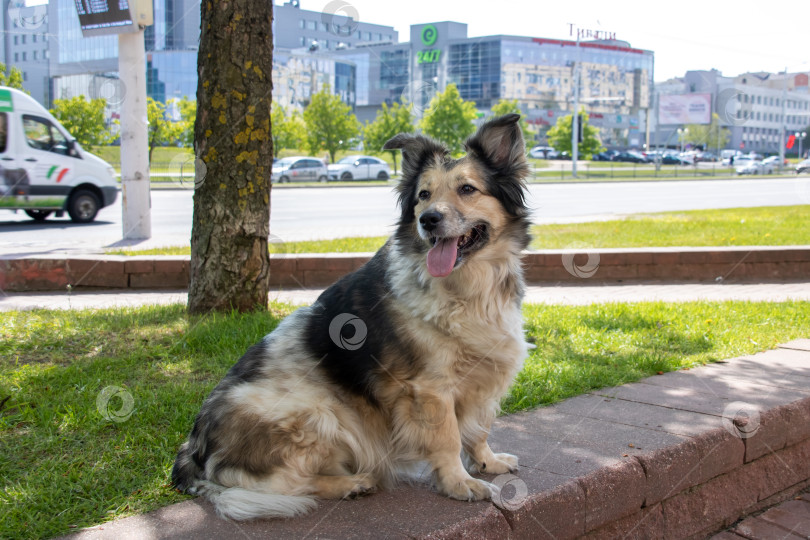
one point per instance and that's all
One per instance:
(684, 109)
(106, 17)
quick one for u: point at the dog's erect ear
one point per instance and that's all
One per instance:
(416, 149)
(418, 152)
(499, 146)
(499, 143)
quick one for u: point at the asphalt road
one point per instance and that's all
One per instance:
(333, 212)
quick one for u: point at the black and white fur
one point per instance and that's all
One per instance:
(391, 366)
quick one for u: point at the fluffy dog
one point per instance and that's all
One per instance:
(401, 362)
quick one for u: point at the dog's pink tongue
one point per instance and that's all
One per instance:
(442, 257)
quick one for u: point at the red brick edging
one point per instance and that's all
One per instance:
(737, 264)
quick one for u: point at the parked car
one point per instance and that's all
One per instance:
(771, 164)
(543, 152)
(629, 157)
(707, 157)
(749, 166)
(673, 159)
(299, 169)
(359, 168)
(804, 166)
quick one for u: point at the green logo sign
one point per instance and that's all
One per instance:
(6, 104)
(429, 35)
(430, 56)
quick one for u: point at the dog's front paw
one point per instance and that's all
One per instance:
(467, 489)
(503, 463)
(363, 485)
(498, 464)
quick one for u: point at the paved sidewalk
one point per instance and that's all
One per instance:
(787, 521)
(680, 455)
(550, 294)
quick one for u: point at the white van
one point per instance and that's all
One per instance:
(43, 169)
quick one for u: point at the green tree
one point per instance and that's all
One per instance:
(710, 136)
(289, 130)
(331, 125)
(449, 119)
(188, 113)
(161, 130)
(559, 137)
(11, 76)
(84, 119)
(389, 122)
(506, 106)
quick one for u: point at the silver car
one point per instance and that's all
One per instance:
(360, 168)
(299, 169)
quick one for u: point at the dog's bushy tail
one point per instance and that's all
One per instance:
(241, 504)
(235, 503)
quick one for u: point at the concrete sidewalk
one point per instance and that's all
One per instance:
(549, 294)
(680, 455)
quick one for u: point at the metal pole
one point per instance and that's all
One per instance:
(782, 125)
(575, 115)
(135, 196)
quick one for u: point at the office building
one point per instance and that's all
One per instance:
(760, 110)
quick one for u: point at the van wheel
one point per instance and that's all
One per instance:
(39, 215)
(283, 180)
(83, 206)
(382, 175)
(322, 179)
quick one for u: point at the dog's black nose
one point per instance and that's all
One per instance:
(430, 220)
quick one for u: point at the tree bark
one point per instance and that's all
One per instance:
(230, 262)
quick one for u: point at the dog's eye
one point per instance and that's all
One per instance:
(466, 189)
(424, 195)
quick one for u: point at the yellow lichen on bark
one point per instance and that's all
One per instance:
(242, 137)
(218, 101)
(250, 157)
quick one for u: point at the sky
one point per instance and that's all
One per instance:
(732, 37)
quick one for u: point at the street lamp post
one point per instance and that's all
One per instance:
(682, 133)
(575, 115)
(801, 137)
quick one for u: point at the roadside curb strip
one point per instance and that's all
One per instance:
(635, 461)
(687, 265)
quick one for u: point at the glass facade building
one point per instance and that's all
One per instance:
(615, 88)
(89, 65)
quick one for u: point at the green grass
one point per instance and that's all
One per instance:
(63, 465)
(763, 226)
(336, 245)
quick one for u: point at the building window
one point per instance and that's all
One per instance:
(34, 38)
(312, 25)
(35, 55)
(15, 40)
(17, 59)
(24, 56)
(46, 54)
(22, 39)
(25, 75)
(301, 24)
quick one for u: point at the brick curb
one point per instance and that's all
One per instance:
(733, 264)
(680, 455)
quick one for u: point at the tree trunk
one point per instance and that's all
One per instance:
(230, 262)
